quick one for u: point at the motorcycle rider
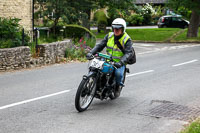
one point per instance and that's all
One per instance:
(120, 56)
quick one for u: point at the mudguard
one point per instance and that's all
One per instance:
(90, 74)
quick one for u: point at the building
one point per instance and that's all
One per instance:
(21, 9)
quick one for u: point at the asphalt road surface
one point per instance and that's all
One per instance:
(42, 100)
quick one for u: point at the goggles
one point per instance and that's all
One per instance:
(117, 26)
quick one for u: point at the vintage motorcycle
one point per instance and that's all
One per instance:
(99, 82)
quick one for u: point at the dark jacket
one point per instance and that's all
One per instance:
(127, 48)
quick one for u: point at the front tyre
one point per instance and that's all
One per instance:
(85, 93)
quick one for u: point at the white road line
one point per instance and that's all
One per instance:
(184, 63)
(34, 99)
(134, 74)
(142, 47)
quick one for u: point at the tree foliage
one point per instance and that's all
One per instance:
(69, 11)
(73, 11)
(190, 4)
(11, 33)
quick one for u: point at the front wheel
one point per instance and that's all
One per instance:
(85, 93)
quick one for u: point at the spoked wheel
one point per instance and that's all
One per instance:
(85, 93)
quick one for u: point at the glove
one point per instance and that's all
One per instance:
(89, 56)
(118, 64)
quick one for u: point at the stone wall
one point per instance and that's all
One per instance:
(21, 9)
(20, 57)
(14, 58)
(53, 52)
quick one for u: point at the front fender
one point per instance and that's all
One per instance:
(90, 74)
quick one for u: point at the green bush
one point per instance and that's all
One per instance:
(186, 13)
(11, 33)
(75, 53)
(113, 14)
(101, 19)
(79, 49)
(135, 19)
(76, 32)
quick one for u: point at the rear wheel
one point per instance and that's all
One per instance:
(85, 93)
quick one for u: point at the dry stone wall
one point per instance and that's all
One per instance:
(14, 58)
(20, 57)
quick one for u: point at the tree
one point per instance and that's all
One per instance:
(76, 11)
(52, 10)
(70, 11)
(194, 6)
(117, 8)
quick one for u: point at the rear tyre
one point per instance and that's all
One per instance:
(85, 93)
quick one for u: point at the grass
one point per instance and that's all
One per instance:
(156, 35)
(194, 127)
(182, 38)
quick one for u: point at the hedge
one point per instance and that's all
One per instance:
(76, 31)
(100, 17)
(11, 33)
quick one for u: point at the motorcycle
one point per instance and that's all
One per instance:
(99, 82)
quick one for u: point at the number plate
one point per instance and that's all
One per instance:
(95, 63)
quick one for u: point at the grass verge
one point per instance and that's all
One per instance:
(156, 35)
(194, 127)
(152, 35)
(182, 37)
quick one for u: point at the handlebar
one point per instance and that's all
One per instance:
(104, 56)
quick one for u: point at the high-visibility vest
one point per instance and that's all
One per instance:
(112, 48)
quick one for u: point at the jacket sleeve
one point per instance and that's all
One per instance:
(99, 47)
(127, 51)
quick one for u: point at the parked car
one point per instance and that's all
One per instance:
(172, 22)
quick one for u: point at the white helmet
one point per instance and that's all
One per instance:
(119, 23)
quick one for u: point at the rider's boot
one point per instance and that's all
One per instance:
(118, 90)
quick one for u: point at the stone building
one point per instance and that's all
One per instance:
(21, 9)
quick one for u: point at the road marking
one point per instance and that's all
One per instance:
(184, 63)
(165, 48)
(139, 73)
(147, 45)
(142, 47)
(34, 99)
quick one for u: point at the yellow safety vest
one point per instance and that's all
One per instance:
(112, 48)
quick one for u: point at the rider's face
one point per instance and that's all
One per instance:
(117, 32)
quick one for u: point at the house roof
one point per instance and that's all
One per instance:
(150, 1)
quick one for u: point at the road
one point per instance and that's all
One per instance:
(42, 100)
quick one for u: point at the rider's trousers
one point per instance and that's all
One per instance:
(119, 74)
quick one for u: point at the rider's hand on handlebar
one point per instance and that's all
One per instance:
(89, 56)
